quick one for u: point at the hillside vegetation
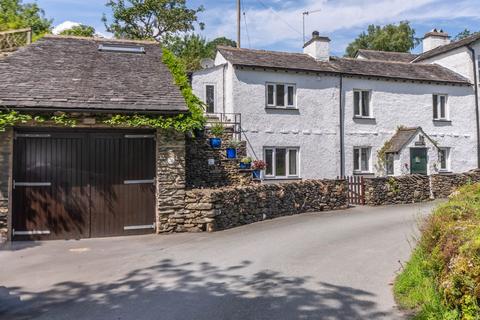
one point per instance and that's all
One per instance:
(442, 278)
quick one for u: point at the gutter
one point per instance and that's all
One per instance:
(342, 130)
(475, 81)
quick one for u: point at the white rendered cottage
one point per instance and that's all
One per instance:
(310, 115)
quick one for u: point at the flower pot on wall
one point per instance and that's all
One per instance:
(231, 153)
(244, 165)
(256, 174)
(216, 143)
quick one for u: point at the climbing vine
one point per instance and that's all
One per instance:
(382, 156)
(193, 119)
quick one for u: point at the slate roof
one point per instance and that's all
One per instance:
(346, 66)
(402, 137)
(386, 56)
(448, 47)
(70, 73)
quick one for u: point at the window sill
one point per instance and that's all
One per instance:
(359, 173)
(363, 118)
(282, 178)
(281, 108)
(445, 172)
(442, 121)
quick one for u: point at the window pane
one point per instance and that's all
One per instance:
(269, 161)
(280, 162)
(292, 162)
(365, 159)
(280, 95)
(270, 94)
(443, 103)
(356, 159)
(365, 103)
(290, 95)
(435, 106)
(442, 154)
(210, 98)
(389, 163)
(356, 103)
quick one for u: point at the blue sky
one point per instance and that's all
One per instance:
(277, 24)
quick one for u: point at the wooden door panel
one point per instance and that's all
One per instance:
(83, 184)
(50, 198)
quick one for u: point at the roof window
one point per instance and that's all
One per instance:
(121, 48)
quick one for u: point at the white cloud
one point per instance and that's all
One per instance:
(283, 27)
(64, 26)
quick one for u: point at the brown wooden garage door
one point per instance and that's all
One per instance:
(70, 185)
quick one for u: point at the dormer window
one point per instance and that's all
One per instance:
(440, 107)
(280, 95)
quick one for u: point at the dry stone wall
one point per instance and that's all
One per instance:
(222, 172)
(415, 188)
(218, 209)
(397, 190)
(444, 185)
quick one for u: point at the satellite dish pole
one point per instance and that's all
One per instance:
(238, 23)
(306, 13)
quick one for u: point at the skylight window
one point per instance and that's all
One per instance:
(121, 48)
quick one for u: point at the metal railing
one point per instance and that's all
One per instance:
(229, 120)
(14, 39)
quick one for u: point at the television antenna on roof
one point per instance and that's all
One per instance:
(304, 14)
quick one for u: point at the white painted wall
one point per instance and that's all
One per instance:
(313, 127)
(211, 76)
(458, 60)
(397, 104)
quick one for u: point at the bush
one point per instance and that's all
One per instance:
(442, 278)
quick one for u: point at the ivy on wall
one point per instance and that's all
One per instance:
(193, 119)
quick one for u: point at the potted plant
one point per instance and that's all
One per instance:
(232, 147)
(246, 163)
(258, 166)
(217, 131)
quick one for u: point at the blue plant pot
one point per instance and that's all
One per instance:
(231, 153)
(245, 165)
(256, 174)
(216, 143)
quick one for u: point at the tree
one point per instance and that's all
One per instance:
(392, 37)
(79, 31)
(462, 35)
(192, 48)
(150, 19)
(16, 15)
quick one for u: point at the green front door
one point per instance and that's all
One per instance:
(418, 161)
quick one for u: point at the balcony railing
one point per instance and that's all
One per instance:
(228, 120)
(14, 39)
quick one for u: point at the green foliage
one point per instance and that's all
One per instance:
(11, 118)
(392, 37)
(79, 31)
(393, 185)
(150, 19)
(382, 156)
(462, 35)
(246, 160)
(64, 120)
(192, 48)
(442, 278)
(234, 144)
(16, 15)
(217, 130)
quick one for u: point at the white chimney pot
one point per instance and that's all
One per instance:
(318, 47)
(434, 39)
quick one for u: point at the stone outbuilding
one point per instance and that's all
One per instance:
(91, 180)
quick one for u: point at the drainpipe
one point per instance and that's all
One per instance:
(342, 130)
(475, 81)
(223, 85)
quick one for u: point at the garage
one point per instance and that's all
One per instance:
(71, 184)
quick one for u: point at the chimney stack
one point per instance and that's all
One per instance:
(434, 39)
(318, 47)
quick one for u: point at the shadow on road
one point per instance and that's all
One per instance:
(192, 291)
